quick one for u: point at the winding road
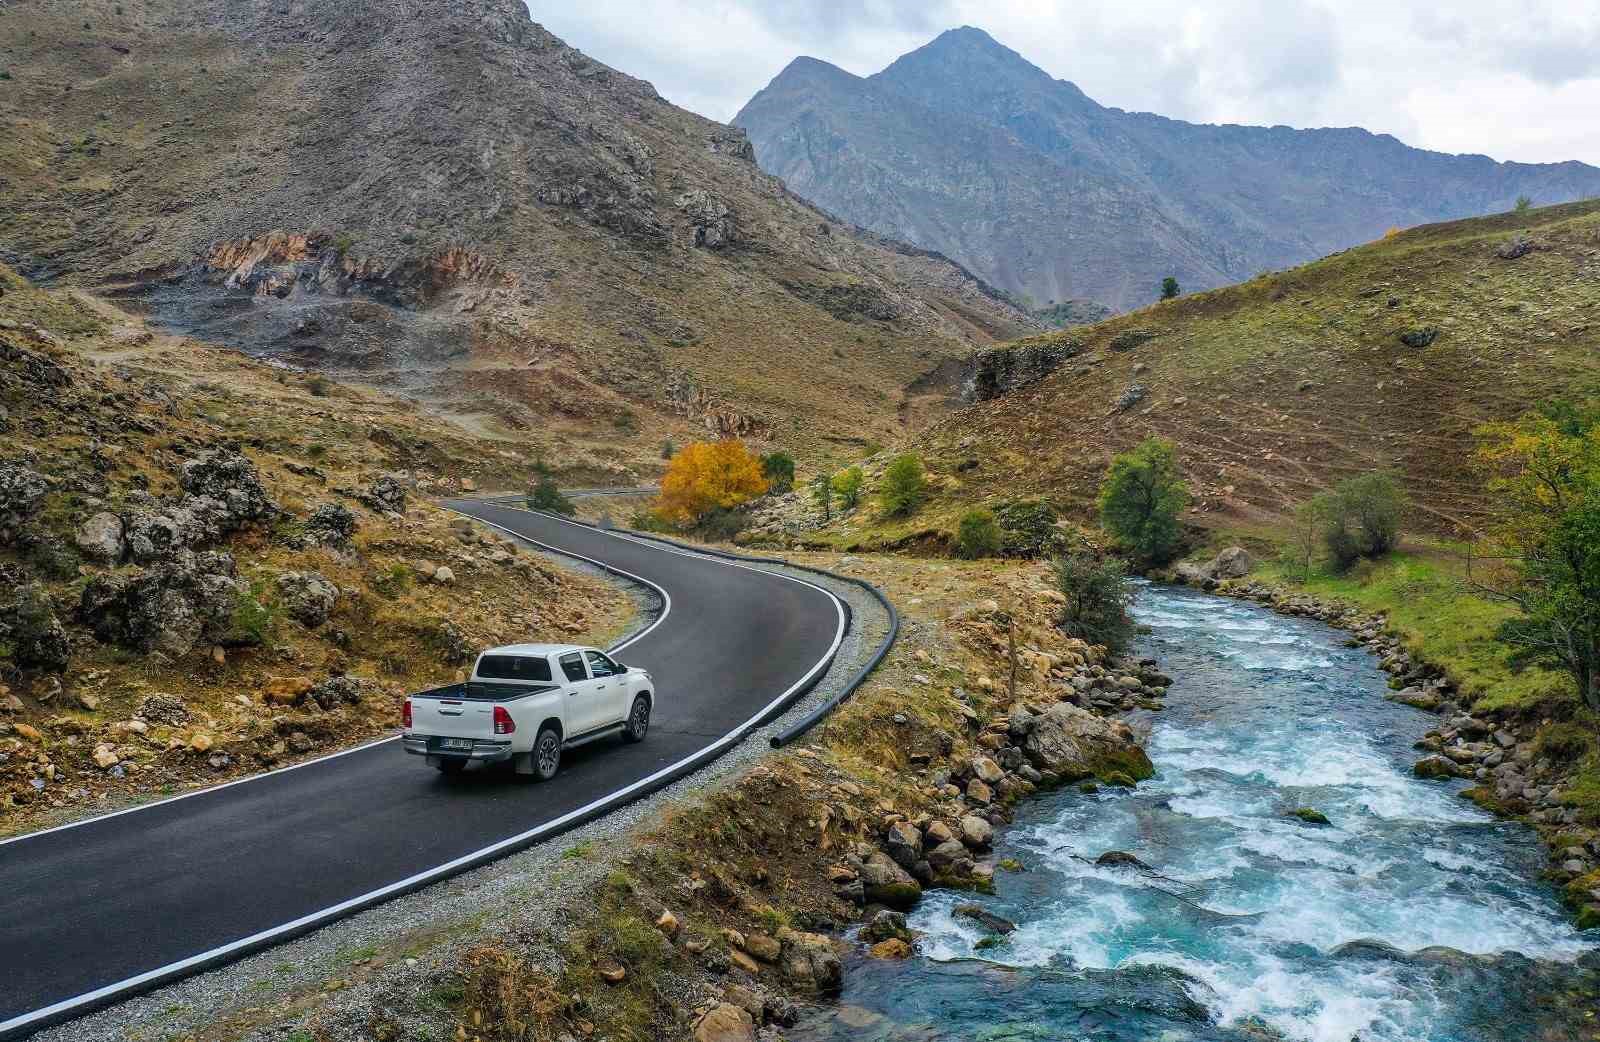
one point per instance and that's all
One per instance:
(119, 904)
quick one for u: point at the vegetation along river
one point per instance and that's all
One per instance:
(1411, 916)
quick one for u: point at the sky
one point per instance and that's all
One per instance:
(1513, 79)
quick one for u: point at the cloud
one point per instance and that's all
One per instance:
(1515, 79)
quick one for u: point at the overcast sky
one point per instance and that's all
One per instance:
(1515, 79)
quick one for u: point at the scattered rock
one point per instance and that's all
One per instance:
(101, 537)
(307, 597)
(886, 883)
(163, 709)
(1120, 859)
(105, 756)
(1513, 248)
(1419, 338)
(286, 691)
(892, 948)
(985, 918)
(1310, 815)
(725, 1023)
(1436, 767)
(331, 524)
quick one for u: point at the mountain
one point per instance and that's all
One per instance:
(444, 198)
(964, 147)
(1384, 357)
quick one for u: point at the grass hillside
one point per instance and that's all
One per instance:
(162, 627)
(446, 199)
(1384, 356)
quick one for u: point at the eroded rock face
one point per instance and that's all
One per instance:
(37, 638)
(1000, 370)
(712, 222)
(1075, 744)
(231, 479)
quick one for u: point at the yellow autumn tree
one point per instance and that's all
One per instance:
(705, 475)
(1391, 233)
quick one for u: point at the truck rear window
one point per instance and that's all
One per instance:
(529, 668)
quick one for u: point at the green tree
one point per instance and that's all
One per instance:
(778, 468)
(1097, 599)
(546, 494)
(1169, 288)
(1547, 486)
(1524, 203)
(904, 486)
(822, 496)
(978, 534)
(668, 449)
(1141, 500)
(848, 484)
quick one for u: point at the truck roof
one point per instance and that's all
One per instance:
(536, 649)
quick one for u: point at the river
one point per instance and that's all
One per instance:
(1412, 917)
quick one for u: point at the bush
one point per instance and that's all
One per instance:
(778, 468)
(546, 494)
(1359, 518)
(1169, 288)
(848, 484)
(668, 449)
(707, 475)
(723, 524)
(1098, 596)
(318, 385)
(255, 616)
(904, 486)
(978, 535)
(1028, 528)
(1142, 499)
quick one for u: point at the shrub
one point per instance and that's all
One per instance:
(1359, 518)
(904, 486)
(668, 449)
(1097, 593)
(706, 475)
(546, 494)
(778, 468)
(1028, 528)
(978, 534)
(318, 385)
(722, 523)
(848, 484)
(1524, 203)
(1169, 288)
(1142, 499)
(255, 616)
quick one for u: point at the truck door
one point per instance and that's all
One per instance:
(611, 686)
(584, 711)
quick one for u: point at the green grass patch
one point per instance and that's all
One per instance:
(1439, 619)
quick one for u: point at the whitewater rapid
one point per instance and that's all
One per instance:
(1412, 917)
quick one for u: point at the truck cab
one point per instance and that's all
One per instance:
(526, 703)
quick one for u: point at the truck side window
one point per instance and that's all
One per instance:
(601, 666)
(572, 666)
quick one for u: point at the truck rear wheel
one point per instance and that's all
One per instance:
(546, 753)
(450, 765)
(638, 720)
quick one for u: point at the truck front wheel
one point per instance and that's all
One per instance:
(638, 720)
(546, 753)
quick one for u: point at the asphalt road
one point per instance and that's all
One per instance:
(119, 904)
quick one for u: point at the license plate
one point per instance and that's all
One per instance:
(456, 744)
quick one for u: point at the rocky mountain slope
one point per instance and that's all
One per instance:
(964, 147)
(445, 198)
(1383, 357)
(210, 566)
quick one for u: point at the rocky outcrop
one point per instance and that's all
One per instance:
(331, 524)
(35, 635)
(712, 222)
(1000, 370)
(21, 491)
(169, 608)
(1233, 563)
(101, 537)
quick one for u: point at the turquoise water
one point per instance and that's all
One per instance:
(1245, 929)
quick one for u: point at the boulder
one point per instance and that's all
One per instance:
(886, 883)
(100, 537)
(1436, 767)
(37, 638)
(725, 1023)
(168, 608)
(231, 479)
(810, 962)
(335, 691)
(386, 494)
(947, 855)
(976, 832)
(986, 770)
(21, 490)
(890, 948)
(763, 946)
(904, 843)
(885, 924)
(1120, 859)
(307, 597)
(1233, 563)
(1074, 744)
(331, 524)
(162, 709)
(985, 918)
(286, 691)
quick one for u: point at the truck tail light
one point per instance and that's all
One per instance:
(503, 724)
(405, 713)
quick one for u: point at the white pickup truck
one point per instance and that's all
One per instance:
(524, 704)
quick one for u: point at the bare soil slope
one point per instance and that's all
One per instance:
(445, 197)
